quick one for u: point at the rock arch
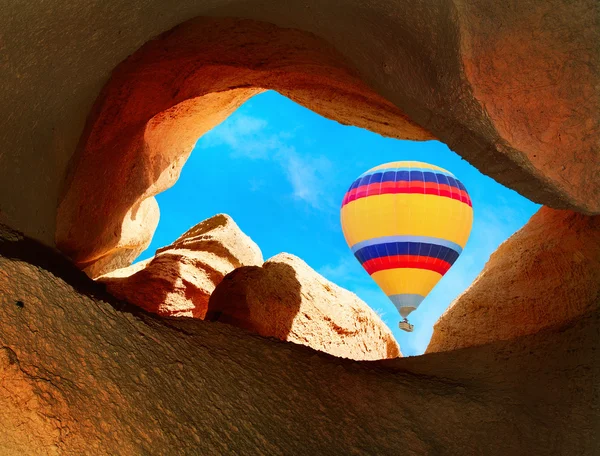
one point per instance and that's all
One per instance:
(174, 89)
(181, 84)
(108, 377)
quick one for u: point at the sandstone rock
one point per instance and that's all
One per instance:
(288, 300)
(83, 373)
(546, 274)
(160, 130)
(180, 278)
(136, 234)
(511, 86)
(452, 78)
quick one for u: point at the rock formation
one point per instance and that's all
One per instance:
(546, 274)
(82, 373)
(511, 86)
(181, 277)
(444, 78)
(288, 300)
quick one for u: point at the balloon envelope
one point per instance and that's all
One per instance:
(406, 223)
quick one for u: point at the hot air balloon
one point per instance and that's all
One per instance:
(406, 223)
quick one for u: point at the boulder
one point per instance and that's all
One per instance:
(180, 278)
(546, 274)
(287, 299)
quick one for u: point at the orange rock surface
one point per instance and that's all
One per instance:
(179, 280)
(465, 87)
(511, 86)
(83, 373)
(288, 300)
(546, 274)
(148, 119)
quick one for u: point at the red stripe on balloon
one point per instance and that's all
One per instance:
(406, 261)
(427, 188)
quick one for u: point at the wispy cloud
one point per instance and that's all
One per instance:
(346, 267)
(308, 176)
(250, 137)
(256, 184)
(243, 135)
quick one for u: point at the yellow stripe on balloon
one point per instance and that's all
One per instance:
(406, 280)
(407, 164)
(407, 214)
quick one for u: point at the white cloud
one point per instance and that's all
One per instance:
(343, 269)
(256, 184)
(250, 137)
(308, 177)
(244, 135)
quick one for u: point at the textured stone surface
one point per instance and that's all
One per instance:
(159, 131)
(181, 277)
(511, 86)
(288, 300)
(142, 141)
(540, 91)
(422, 56)
(91, 375)
(546, 274)
(138, 227)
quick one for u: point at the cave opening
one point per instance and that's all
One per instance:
(184, 83)
(281, 170)
(509, 86)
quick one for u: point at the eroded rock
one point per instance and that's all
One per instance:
(179, 280)
(156, 116)
(526, 114)
(107, 378)
(287, 299)
(546, 274)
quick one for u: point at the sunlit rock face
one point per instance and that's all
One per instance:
(148, 119)
(524, 113)
(511, 86)
(284, 298)
(288, 300)
(534, 70)
(83, 373)
(179, 280)
(545, 275)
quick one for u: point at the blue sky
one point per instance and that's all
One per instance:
(281, 172)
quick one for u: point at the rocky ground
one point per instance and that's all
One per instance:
(84, 373)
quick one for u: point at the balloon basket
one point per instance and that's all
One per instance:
(406, 326)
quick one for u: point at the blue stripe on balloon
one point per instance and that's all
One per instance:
(407, 238)
(406, 248)
(407, 175)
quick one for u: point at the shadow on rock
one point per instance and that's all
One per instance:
(264, 300)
